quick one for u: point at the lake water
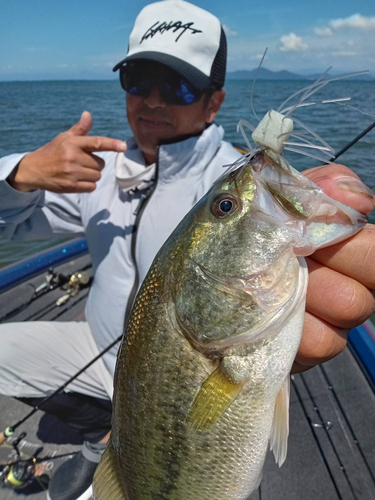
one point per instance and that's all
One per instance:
(32, 113)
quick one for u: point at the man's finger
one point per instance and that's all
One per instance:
(83, 174)
(83, 126)
(320, 341)
(83, 187)
(92, 144)
(340, 183)
(336, 298)
(90, 160)
(354, 257)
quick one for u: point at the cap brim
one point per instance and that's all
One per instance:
(192, 74)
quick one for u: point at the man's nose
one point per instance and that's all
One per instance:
(154, 99)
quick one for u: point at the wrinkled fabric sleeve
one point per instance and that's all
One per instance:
(36, 215)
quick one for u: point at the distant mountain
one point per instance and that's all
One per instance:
(263, 74)
(267, 74)
(361, 78)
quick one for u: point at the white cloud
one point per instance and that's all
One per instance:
(292, 43)
(355, 21)
(344, 53)
(323, 32)
(64, 66)
(229, 31)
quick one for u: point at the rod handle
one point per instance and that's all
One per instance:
(5, 434)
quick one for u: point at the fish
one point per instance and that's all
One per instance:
(203, 373)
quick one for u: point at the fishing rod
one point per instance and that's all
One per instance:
(350, 144)
(9, 431)
(53, 280)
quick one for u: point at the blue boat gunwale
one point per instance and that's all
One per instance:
(14, 274)
(362, 343)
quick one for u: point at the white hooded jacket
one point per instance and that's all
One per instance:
(183, 173)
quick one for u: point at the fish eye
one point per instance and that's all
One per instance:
(224, 205)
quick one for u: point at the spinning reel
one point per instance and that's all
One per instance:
(21, 472)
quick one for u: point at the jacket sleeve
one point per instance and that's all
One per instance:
(36, 215)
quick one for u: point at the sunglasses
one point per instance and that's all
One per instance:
(173, 88)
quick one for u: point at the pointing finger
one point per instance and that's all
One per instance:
(92, 144)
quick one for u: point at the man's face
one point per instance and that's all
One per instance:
(153, 121)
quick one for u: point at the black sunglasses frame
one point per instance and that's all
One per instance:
(170, 96)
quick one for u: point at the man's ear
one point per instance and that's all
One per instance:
(214, 104)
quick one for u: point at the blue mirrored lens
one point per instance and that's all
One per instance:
(173, 90)
(185, 93)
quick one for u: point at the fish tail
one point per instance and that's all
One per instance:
(107, 485)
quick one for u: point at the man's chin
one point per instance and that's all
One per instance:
(148, 144)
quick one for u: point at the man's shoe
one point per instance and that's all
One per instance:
(73, 480)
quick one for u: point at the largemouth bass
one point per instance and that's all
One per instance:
(202, 377)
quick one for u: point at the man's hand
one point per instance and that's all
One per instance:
(67, 163)
(341, 277)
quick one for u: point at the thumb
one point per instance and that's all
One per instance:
(83, 126)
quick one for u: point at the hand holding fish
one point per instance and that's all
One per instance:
(341, 277)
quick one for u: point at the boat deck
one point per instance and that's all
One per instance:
(332, 433)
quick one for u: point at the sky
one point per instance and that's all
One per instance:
(81, 39)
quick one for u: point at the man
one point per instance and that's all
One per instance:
(127, 199)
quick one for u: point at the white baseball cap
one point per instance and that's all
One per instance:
(182, 36)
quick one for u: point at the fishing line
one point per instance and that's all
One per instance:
(47, 458)
(341, 465)
(332, 392)
(299, 397)
(253, 86)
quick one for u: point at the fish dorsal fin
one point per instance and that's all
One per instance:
(106, 484)
(215, 396)
(280, 424)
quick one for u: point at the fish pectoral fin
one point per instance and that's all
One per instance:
(280, 424)
(215, 396)
(106, 483)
